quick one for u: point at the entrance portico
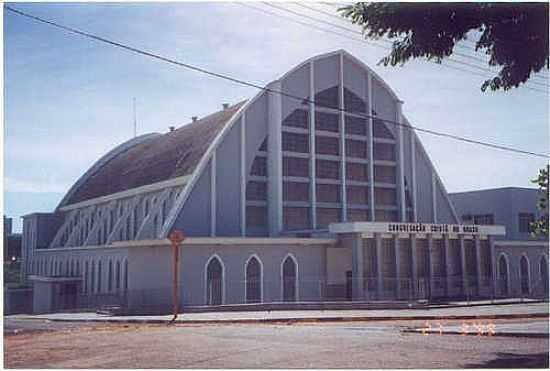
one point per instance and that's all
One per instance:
(417, 260)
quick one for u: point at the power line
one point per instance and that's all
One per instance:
(387, 41)
(363, 41)
(266, 89)
(472, 48)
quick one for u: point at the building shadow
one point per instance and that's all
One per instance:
(513, 360)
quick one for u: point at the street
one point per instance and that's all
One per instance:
(41, 344)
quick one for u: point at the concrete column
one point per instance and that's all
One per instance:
(370, 147)
(446, 246)
(414, 266)
(213, 193)
(493, 266)
(478, 264)
(343, 177)
(357, 267)
(401, 164)
(379, 265)
(430, 266)
(312, 159)
(463, 264)
(397, 267)
(243, 174)
(274, 160)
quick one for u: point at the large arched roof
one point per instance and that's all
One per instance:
(154, 159)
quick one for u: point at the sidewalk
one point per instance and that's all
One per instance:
(501, 311)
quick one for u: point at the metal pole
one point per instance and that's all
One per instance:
(176, 238)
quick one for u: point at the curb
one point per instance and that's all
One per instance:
(504, 334)
(293, 320)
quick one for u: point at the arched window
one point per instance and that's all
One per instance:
(110, 277)
(55, 268)
(52, 267)
(67, 268)
(289, 274)
(524, 275)
(543, 272)
(72, 272)
(92, 279)
(117, 276)
(253, 280)
(77, 268)
(99, 276)
(503, 276)
(214, 281)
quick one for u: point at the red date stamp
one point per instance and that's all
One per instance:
(478, 328)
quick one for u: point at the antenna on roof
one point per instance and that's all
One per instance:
(135, 119)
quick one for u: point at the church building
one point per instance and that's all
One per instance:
(315, 190)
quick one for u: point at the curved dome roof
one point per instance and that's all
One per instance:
(153, 160)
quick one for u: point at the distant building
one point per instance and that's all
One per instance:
(322, 193)
(513, 207)
(12, 242)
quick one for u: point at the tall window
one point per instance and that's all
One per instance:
(214, 282)
(502, 276)
(289, 279)
(524, 222)
(524, 274)
(253, 281)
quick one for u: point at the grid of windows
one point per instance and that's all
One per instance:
(295, 166)
(256, 191)
(327, 169)
(327, 216)
(380, 130)
(357, 195)
(256, 216)
(328, 97)
(263, 147)
(294, 191)
(327, 145)
(524, 222)
(385, 216)
(384, 196)
(384, 151)
(296, 218)
(384, 174)
(327, 192)
(356, 148)
(259, 166)
(298, 118)
(486, 219)
(356, 126)
(356, 171)
(326, 121)
(295, 142)
(352, 102)
(357, 215)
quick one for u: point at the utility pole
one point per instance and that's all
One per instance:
(176, 238)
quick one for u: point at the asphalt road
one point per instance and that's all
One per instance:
(326, 345)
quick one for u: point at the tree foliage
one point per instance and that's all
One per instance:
(540, 226)
(513, 35)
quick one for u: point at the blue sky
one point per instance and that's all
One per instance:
(68, 100)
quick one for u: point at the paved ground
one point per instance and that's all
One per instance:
(430, 313)
(320, 345)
